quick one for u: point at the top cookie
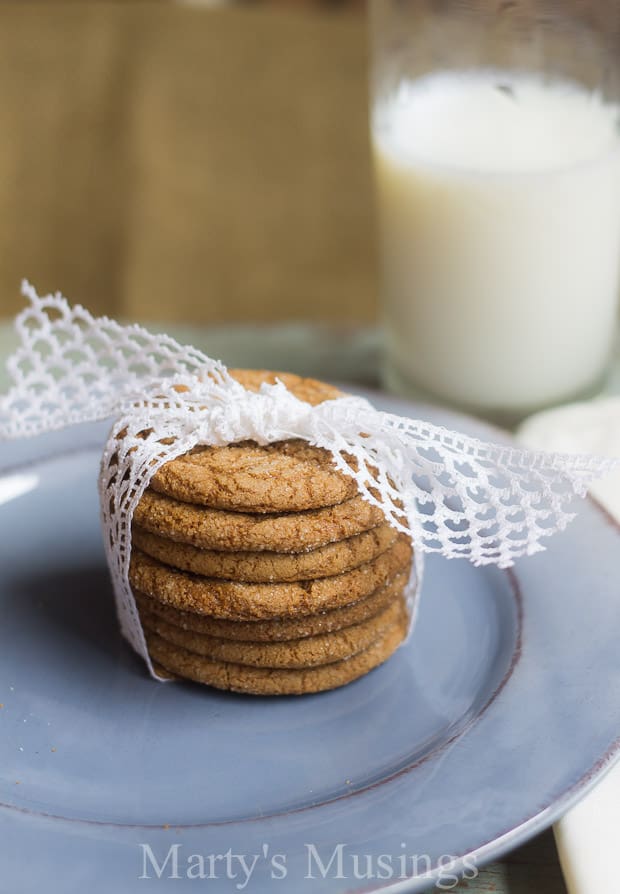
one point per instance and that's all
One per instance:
(287, 476)
(309, 390)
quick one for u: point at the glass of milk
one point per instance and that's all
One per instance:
(496, 141)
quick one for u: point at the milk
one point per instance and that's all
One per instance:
(499, 203)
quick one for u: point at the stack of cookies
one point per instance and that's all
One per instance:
(260, 569)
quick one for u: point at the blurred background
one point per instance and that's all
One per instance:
(190, 162)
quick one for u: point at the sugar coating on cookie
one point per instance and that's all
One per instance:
(288, 532)
(308, 651)
(277, 681)
(245, 601)
(283, 477)
(279, 628)
(263, 567)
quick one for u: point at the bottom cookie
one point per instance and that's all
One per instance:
(269, 681)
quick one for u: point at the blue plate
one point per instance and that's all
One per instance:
(498, 714)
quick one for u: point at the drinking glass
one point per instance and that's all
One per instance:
(495, 135)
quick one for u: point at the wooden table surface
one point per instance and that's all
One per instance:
(175, 162)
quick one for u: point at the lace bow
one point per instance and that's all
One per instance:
(453, 494)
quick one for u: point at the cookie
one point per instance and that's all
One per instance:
(312, 391)
(245, 601)
(280, 628)
(162, 672)
(292, 532)
(286, 476)
(297, 653)
(278, 681)
(262, 567)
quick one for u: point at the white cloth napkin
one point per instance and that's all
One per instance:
(587, 836)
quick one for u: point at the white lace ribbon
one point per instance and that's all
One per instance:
(454, 495)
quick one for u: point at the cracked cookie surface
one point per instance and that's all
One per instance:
(276, 681)
(246, 601)
(264, 567)
(290, 532)
(278, 628)
(284, 476)
(307, 651)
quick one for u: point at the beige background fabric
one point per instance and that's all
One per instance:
(171, 162)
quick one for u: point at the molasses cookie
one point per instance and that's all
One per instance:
(297, 653)
(290, 532)
(246, 601)
(262, 567)
(279, 628)
(278, 681)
